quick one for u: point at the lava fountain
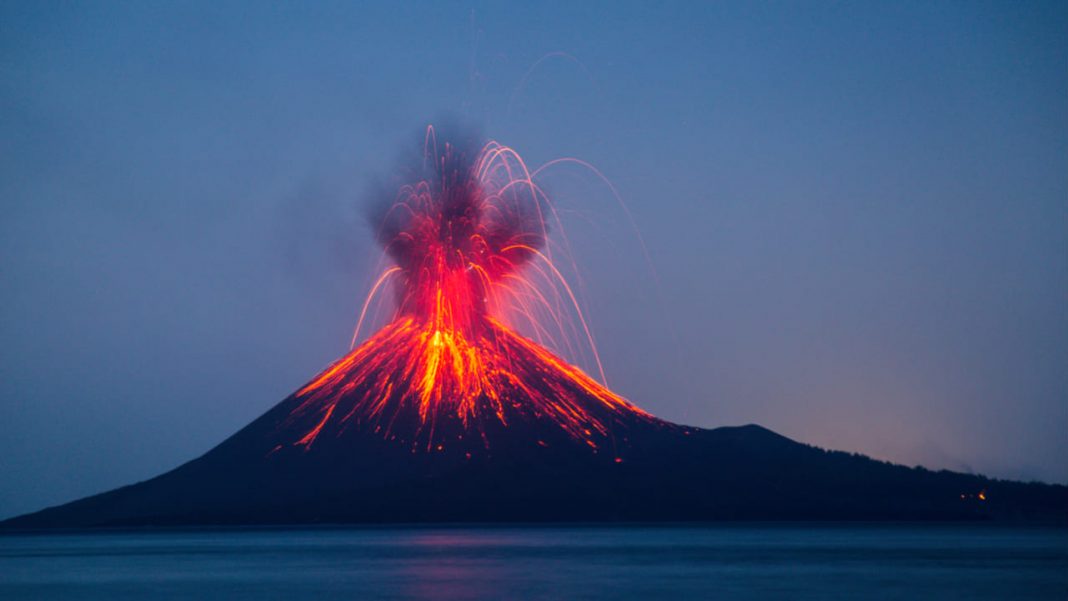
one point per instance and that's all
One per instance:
(466, 241)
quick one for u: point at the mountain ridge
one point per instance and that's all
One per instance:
(768, 477)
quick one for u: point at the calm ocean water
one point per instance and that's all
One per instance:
(737, 561)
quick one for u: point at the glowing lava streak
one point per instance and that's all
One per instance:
(464, 237)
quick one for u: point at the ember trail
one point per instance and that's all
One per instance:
(467, 241)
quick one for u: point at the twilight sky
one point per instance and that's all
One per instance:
(857, 214)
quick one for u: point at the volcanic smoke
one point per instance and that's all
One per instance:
(466, 237)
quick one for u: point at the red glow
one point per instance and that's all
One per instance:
(466, 245)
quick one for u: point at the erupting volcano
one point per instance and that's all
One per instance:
(448, 371)
(461, 407)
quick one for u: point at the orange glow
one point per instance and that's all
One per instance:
(495, 375)
(466, 246)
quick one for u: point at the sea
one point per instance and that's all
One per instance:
(737, 561)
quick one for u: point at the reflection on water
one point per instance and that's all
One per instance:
(743, 561)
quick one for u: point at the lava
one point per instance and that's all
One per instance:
(468, 241)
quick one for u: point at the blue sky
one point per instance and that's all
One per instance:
(856, 213)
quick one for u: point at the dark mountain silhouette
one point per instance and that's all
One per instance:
(527, 468)
(447, 414)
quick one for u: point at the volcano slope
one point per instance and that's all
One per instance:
(551, 446)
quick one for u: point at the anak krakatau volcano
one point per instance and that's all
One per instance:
(449, 413)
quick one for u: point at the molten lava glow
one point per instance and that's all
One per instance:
(465, 240)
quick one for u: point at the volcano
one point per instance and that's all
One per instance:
(450, 413)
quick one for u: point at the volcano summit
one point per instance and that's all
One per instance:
(448, 371)
(461, 408)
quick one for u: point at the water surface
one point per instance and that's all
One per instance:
(737, 561)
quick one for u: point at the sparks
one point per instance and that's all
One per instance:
(468, 243)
